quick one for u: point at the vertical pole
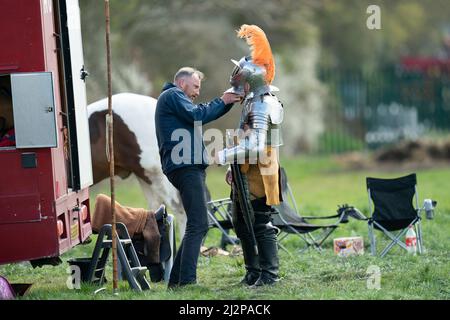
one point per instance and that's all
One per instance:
(373, 245)
(111, 149)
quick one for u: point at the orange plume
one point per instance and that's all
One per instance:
(260, 48)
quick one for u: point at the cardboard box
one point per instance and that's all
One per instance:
(348, 246)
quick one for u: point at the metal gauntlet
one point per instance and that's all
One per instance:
(247, 150)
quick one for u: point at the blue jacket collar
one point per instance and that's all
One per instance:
(167, 86)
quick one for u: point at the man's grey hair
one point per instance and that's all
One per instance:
(188, 72)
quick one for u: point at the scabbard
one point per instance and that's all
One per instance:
(239, 181)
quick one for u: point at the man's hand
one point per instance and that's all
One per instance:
(229, 98)
(229, 177)
(219, 158)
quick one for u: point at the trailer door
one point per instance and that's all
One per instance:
(79, 96)
(34, 110)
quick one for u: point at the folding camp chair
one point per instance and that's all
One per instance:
(393, 210)
(219, 216)
(290, 222)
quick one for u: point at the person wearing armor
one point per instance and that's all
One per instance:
(175, 110)
(254, 160)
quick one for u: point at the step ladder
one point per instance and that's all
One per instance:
(128, 261)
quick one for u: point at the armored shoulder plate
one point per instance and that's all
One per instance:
(264, 111)
(276, 109)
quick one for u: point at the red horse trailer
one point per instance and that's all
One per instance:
(45, 156)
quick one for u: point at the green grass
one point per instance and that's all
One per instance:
(319, 185)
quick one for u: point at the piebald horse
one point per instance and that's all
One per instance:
(135, 149)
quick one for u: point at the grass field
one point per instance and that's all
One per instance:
(320, 185)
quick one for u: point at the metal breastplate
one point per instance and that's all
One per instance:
(259, 126)
(264, 112)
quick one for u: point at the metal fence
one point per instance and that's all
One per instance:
(369, 111)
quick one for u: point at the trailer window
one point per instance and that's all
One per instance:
(7, 135)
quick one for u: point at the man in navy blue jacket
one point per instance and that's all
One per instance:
(184, 162)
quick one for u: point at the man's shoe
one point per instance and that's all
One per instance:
(172, 286)
(177, 286)
(265, 280)
(250, 278)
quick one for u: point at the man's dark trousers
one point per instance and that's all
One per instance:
(190, 182)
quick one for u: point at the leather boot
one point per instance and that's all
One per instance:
(268, 256)
(250, 278)
(251, 263)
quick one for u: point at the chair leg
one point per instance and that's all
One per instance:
(311, 242)
(284, 248)
(373, 248)
(420, 246)
(308, 246)
(324, 236)
(282, 235)
(389, 247)
(395, 240)
(311, 238)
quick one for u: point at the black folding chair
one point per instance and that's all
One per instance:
(219, 216)
(289, 221)
(394, 210)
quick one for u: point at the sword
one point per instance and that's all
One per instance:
(246, 208)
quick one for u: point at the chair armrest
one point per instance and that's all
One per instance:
(324, 217)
